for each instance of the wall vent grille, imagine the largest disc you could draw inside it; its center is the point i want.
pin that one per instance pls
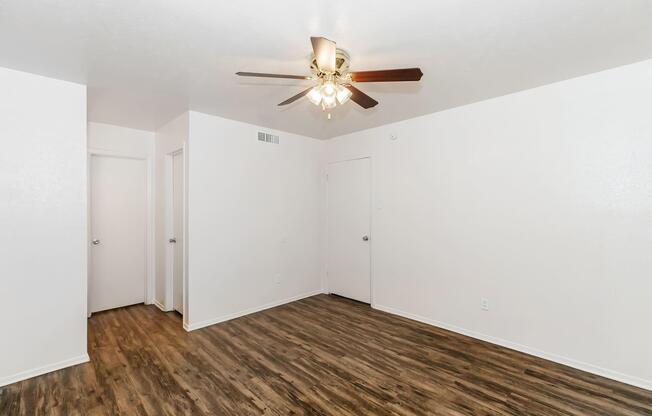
(267, 138)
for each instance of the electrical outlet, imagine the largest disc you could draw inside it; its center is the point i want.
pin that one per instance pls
(484, 304)
(277, 278)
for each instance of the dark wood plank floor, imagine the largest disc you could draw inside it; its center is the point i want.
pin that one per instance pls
(321, 356)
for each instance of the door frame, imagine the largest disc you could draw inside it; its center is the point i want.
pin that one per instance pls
(371, 221)
(169, 225)
(149, 223)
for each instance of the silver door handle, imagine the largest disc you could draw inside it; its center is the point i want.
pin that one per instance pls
(95, 242)
(365, 238)
(172, 240)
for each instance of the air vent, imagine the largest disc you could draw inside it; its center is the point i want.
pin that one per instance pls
(267, 138)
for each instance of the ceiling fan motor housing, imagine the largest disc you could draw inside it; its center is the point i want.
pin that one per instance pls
(342, 62)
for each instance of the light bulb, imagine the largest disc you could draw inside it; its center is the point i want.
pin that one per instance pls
(328, 88)
(329, 101)
(343, 94)
(314, 95)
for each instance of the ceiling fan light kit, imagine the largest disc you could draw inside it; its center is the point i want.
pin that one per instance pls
(330, 68)
(328, 94)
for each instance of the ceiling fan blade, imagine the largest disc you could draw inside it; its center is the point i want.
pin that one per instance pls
(360, 98)
(387, 75)
(324, 53)
(295, 97)
(263, 75)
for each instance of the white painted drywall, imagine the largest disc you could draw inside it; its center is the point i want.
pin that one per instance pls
(169, 138)
(541, 202)
(121, 140)
(43, 222)
(254, 214)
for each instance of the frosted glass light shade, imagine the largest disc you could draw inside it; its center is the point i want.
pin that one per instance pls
(343, 94)
(328, 89)
(329, 101)
(314, 95)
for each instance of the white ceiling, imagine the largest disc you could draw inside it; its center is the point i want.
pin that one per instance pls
(146, 61)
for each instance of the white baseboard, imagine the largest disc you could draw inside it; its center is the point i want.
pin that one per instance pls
(24, 375)
(209, 322)
(589, 368)
(160, 305)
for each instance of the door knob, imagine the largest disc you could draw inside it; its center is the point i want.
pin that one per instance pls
(172, 240)
(95, 242)
(365, 238)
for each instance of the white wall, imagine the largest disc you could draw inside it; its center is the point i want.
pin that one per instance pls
(253, 220)
(541, 202)
(43, 222)
(108, 139)
(169, 138)
(120, 140)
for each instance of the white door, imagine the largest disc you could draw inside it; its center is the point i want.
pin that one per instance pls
(118, 232)
(349, 205)
(177, 227)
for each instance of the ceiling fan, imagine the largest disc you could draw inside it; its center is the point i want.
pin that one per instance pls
(330, 68)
